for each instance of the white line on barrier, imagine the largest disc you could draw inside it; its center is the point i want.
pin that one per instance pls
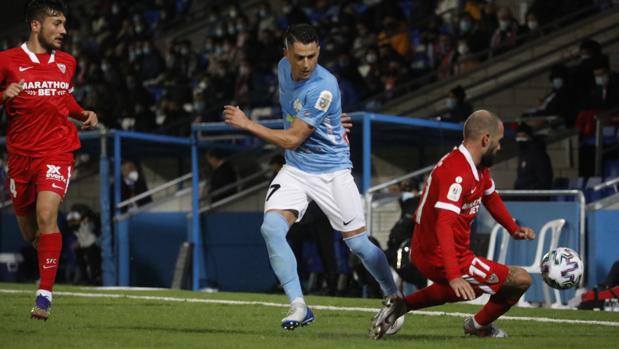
(318, 307)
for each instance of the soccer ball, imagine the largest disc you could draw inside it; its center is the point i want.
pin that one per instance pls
(562, 268)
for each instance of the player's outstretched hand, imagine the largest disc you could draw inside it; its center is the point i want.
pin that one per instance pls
(90, 121)
(13, 90)
(462, 288)
(235, 117)
(346, 122)
(524, 233)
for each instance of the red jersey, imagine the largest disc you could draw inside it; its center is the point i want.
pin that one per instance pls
(38, 116)
(449, 203)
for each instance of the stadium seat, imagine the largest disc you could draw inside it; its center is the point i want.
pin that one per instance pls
(554, 227)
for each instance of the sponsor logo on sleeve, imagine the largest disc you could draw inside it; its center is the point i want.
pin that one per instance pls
(324, 101)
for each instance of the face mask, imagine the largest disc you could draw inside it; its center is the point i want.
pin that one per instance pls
(503, 24)
(463, 49)
(522, 139)
(371, 58)
(406, 195)
(465, 26)
(199, 107)
(146, 50)
(133, 176)
(451, 103)
(557, 83)
(532, 25)
(601, 80)
(421, 48)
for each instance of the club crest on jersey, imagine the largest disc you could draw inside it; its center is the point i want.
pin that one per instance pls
(324, 101)
(455, 190)
(62, 67)
(297, 106)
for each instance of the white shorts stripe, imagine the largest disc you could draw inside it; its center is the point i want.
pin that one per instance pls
(447, 206)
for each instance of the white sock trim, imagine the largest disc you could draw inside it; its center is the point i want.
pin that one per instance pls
(476, 324)
(298, 300)
(45, 293)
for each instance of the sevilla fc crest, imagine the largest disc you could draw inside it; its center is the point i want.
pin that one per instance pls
(62, 67)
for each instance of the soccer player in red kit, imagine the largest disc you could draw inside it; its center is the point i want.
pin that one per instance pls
(440, 249)
(36, 85)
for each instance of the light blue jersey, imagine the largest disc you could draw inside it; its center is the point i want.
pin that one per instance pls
(315, 101)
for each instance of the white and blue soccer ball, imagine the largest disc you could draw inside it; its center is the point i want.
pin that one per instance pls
(562, 268)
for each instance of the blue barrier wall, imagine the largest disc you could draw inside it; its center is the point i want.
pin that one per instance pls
(10, 238)
(236, 255)
(603, 243)
(154, 242)
(535, 215)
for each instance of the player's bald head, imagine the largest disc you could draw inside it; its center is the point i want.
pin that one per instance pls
(480, 123)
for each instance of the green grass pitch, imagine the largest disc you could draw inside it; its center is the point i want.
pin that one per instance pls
(89, 318)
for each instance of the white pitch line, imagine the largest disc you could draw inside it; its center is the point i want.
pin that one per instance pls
(319, 307)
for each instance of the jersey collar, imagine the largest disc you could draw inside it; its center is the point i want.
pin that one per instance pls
(469, 159)
(34, 58)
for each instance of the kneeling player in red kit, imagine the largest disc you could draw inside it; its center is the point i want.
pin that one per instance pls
(36, 85)
(440, 249)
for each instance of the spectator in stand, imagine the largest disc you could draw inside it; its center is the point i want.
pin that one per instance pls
(82, 221)
(395, 35)
(471, 31)
(460, 60)
(582, 73)
(222, 175)
(605, 95)
(506, 35)
(534, 167)
(133, 184)
(458, 108)
(531, 28)
(560, 100)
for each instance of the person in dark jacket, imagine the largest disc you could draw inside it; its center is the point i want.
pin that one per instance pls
(560, 101)
(222, 175)
(133, 183)
(534, 167)
(458, 108)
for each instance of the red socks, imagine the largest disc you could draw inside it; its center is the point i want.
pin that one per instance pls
(48, 250)
(435, 294)
(496, 306)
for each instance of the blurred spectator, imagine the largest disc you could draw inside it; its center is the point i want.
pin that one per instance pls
(605, 94)
(531, 27)
(82, 221)
(534, 167)
(458, 108)
(470, 30)
(394, 34)
(582, 73)
(506, 35)
(561, 100)
(133, 184)
(459, 60)
(222, 175)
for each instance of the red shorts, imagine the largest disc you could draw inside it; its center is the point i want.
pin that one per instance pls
(29, 176)
(484, 275)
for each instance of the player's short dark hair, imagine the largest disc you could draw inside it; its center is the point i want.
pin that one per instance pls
(303, 33)
(39, 9)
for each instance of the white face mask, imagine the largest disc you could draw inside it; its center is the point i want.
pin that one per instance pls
(532, 25)
(557, 83)
(132, 177)
(503, 24)
(522, 139)
(601, 80)
(463, 49)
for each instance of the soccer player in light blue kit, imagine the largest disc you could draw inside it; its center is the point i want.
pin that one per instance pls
(317, 168)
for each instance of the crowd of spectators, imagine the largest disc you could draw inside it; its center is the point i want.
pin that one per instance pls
(135, 80)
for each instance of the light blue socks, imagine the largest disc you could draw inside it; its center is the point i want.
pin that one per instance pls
(274, 229)
(374, 260)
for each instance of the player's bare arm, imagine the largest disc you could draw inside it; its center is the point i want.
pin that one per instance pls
(13, 90)
(290, 138)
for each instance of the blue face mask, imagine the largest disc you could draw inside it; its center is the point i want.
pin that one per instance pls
(451, 103)
(557, 83)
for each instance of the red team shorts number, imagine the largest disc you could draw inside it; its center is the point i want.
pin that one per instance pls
(29, 176)
(484, 275)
